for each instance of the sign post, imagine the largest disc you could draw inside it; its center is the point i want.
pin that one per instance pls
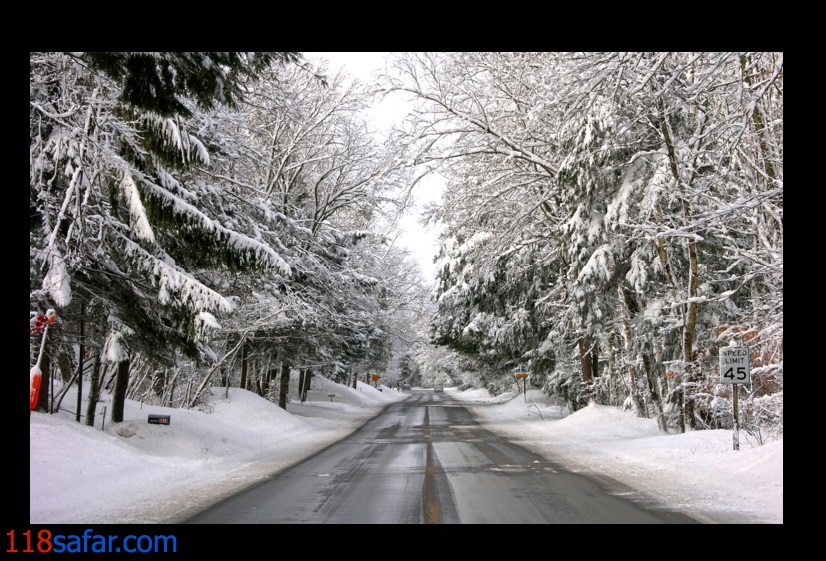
(735, 369)
(521, 372)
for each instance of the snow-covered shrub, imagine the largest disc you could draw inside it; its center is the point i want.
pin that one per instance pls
(762, 417)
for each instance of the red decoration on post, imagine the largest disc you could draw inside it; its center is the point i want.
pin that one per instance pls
(35, 389)
(38, 324)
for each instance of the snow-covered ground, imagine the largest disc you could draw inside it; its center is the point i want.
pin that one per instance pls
(134, 472)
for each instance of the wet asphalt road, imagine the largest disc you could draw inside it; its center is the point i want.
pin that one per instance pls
(426, 460)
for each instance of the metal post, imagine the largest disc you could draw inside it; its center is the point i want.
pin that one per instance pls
(51, 390)
(736, 421)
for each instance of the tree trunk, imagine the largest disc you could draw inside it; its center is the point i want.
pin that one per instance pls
(82, 359)
(225, 382)
(595, 360)
(243, 383)
(119, 395)
(654, 393)
(687, 399)
(614, 356)
(688, 412)
(284, 385)
(693, 262)
(585, 365)
(65, 366)
(693, 287)
(94, 391)
(266, 377)
(681, 408)
(355, 380)
(301, 373)
(629, 309)
(305, 384)
(159, 382)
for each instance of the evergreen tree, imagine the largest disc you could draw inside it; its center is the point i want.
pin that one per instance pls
(115, 198)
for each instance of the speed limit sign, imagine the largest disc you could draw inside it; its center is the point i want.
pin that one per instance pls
(734, 365)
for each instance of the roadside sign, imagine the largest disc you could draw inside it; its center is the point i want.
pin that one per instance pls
(734, 365)
(522, 373)
(159, 419)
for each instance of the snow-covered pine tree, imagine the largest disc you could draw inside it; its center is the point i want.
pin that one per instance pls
(116, 213)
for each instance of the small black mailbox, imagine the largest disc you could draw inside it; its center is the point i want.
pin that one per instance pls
(159, 419)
